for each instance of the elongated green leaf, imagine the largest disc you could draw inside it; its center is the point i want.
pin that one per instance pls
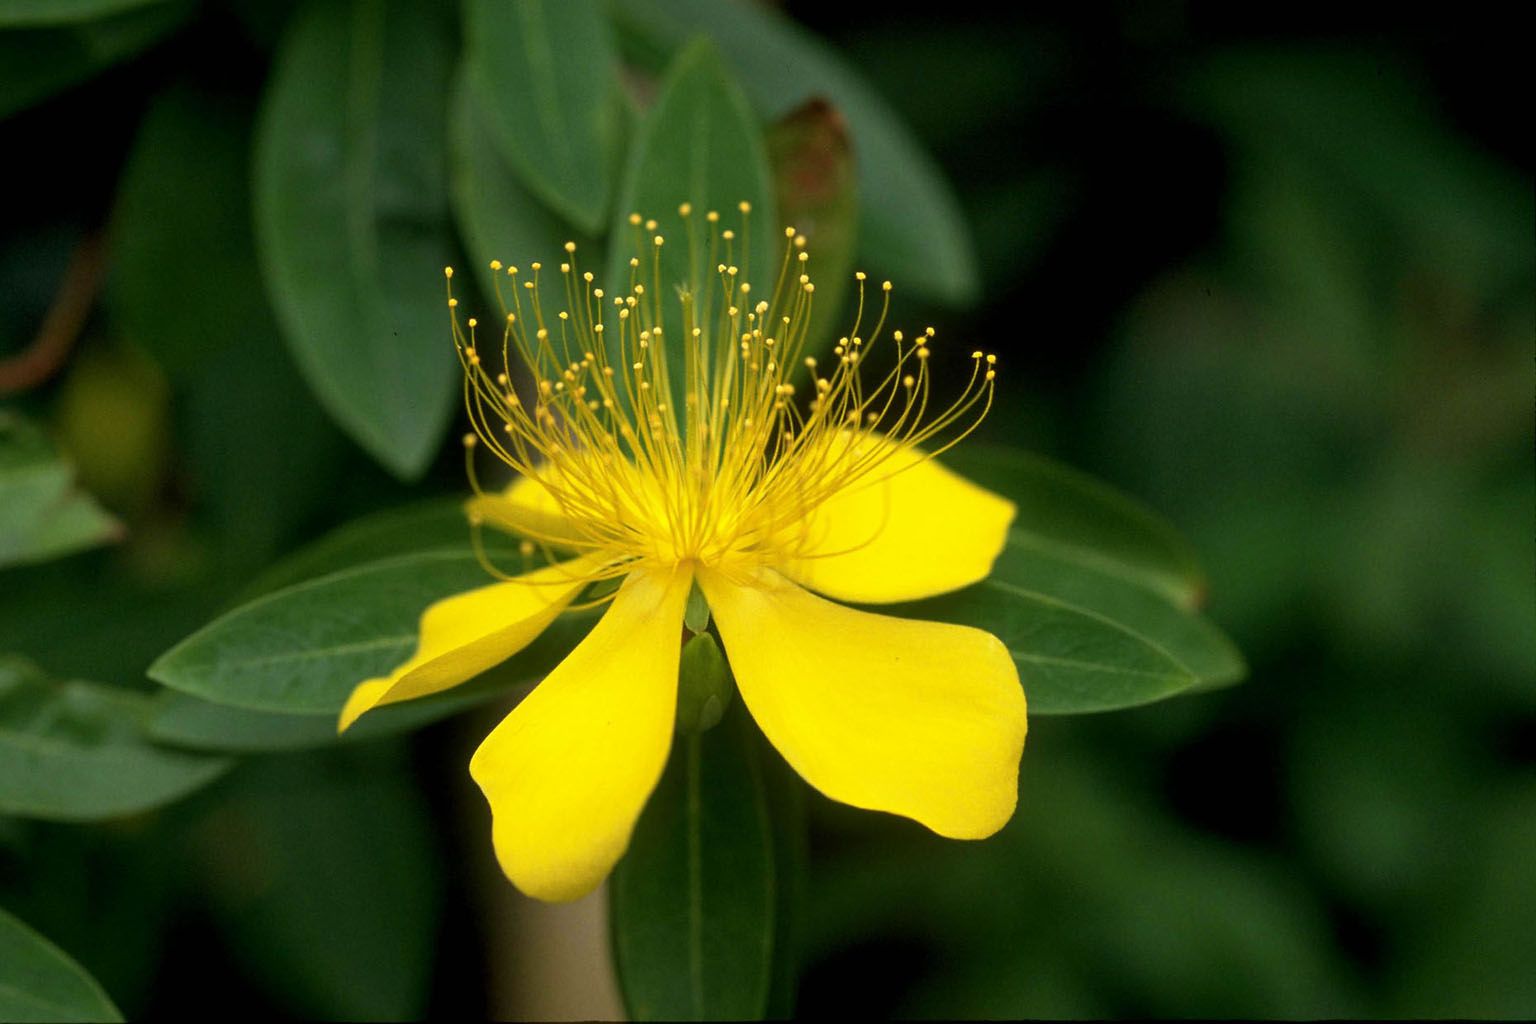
(1086, 519)
(39, 981)
(911, 226)
(186, 721)
(1070, 660)
(694, 899)
(304, 648)
(700, 145)
(814, 179)
(184, 259)
(1034, 565)
(352, 218)
(546, 76)
(42, 514)
(498, 218)
(74, 751)
(41, 61)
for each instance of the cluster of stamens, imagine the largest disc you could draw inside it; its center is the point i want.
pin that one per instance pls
(733, 475)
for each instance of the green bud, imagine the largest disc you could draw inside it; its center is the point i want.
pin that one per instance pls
(704, 686)
(696, 613)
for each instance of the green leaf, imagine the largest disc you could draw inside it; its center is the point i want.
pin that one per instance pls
(546, 77)
(39, 981)
(41, 61)
(42, 514)
(911, 228)
(1086, 519)
(352, 218)
(498, 218)
(185, 721)
(693, 901)
(815, 184)
(700, 144)
(304, 648)
(75, 751)
(438, 524)
(324, 873)
(1189, 638)
(184, 258)
(1071, 660)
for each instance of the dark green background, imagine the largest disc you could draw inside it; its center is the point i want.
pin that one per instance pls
(1274, 278)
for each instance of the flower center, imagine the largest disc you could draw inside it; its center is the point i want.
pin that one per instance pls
(586, 402)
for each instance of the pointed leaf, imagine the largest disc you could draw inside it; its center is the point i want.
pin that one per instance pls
(42, 514)
(912, 228)
(700, 145)
(1070, 660)
(1086, 519)
(39, 981)
(498, 218)
(694, 899)
(352, 218)
(75, 751)
(304, 648)
(546, 76)
(1186, 636)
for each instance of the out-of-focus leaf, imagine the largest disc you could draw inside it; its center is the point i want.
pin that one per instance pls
(39, 982)
(545, 77)
(75, 751)
(184, 261)
(1071, 661)
(700, 145)
(41, 61)
(325, 876)
(693, 901)
(42, 514)
(815, 183)
(1190, 639)
(498, 218)
(911, 226)
(14, 13)
(352, 218)
(1086, 519)
(304, 648)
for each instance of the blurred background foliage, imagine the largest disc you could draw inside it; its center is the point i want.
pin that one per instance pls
(1275, 279)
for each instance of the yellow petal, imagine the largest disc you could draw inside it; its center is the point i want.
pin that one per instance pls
(920, 532)
(463, 635)
(527, 509)
(921, 719)
(568, 771)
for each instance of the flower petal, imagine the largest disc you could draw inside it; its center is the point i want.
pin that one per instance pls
(525, 508)
(921, 719)
(922, 531)
(568, 771)
(463, 635)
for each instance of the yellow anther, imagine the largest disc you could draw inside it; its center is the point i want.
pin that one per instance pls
(453, 303)
(976, 354)
(684, 209)
(885, 286)
(473, 322)
(991, 360)
(447, 271)
(570, 246)
(744, 206)
(712, 216)
(469, 440)
(658, 240)
(495, 264)
(634, 219)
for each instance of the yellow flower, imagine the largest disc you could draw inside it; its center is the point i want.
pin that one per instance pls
(758, 498)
